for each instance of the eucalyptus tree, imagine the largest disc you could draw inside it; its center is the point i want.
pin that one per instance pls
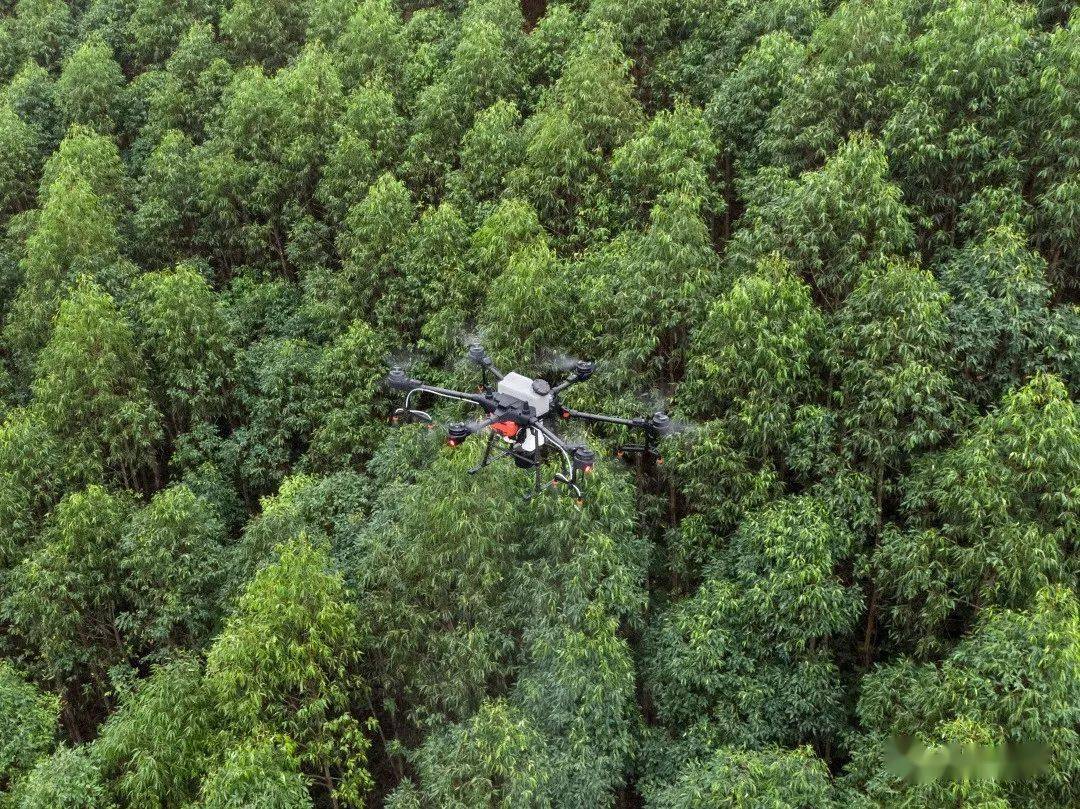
(348, 389)
(68, 779)
(961, 701)
(372, 246)
(164, 223)
(29, 718)
(739, 111)
(261, 772)
(854, 61)
(761, 778)
(485, 65)
(495, 759)
(992, 519)
(827, 223)
(673, 154)
(43, 30)
(753, 356)
(88, 91)
(63, 599)
(588, 112)
(90, 389)
(1001, 324)
(192, 80)
(370, 137)
(32, 480)
(19, 159)
(1056, 151)
(184, 340)
(264, 33)
(75, 232)
(173, 559)
(156, 747)
(727, 665)
(259, 169)
(286, 664)
(491, 149)
(961, 128)
(275, 388)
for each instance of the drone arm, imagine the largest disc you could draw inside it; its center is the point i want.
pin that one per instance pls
(602, 419)
(477, 426)
(570, 380)
(446, 393)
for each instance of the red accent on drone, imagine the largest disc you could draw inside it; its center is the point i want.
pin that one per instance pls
(507, 429)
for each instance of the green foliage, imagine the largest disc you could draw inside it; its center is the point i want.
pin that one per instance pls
(90, 390)
(89, 87)
(836, 240)
(755, 780)
(19, 156)
(30, 480)
(992, 516)
(889, 356)
(1014, 678)
(62, 598)
(752, 355)
(185, 341)
(29, 720)
(284, 664)
(370, 135)
(68, 779)
(745, 660)
(262, 772)
(275, 389)
(42, 30)
(155, 748)
(975, 50)
(173, 560)
(264, 32)
(828, 222)
(75, 233)
(497, 759)
(1000, 323)
(347, 391)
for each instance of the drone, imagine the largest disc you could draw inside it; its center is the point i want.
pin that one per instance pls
(520, 414)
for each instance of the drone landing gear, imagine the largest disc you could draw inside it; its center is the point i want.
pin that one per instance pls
(487, 454)
(526, 459)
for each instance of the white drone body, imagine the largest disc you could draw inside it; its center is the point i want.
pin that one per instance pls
(520, 387)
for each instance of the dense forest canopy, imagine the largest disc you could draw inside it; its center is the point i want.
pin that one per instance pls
(843, 239)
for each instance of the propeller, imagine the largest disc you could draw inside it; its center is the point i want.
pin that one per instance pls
(474, 341)
(472, 335)
(656, 407)
(567, 364)
(404, 358)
